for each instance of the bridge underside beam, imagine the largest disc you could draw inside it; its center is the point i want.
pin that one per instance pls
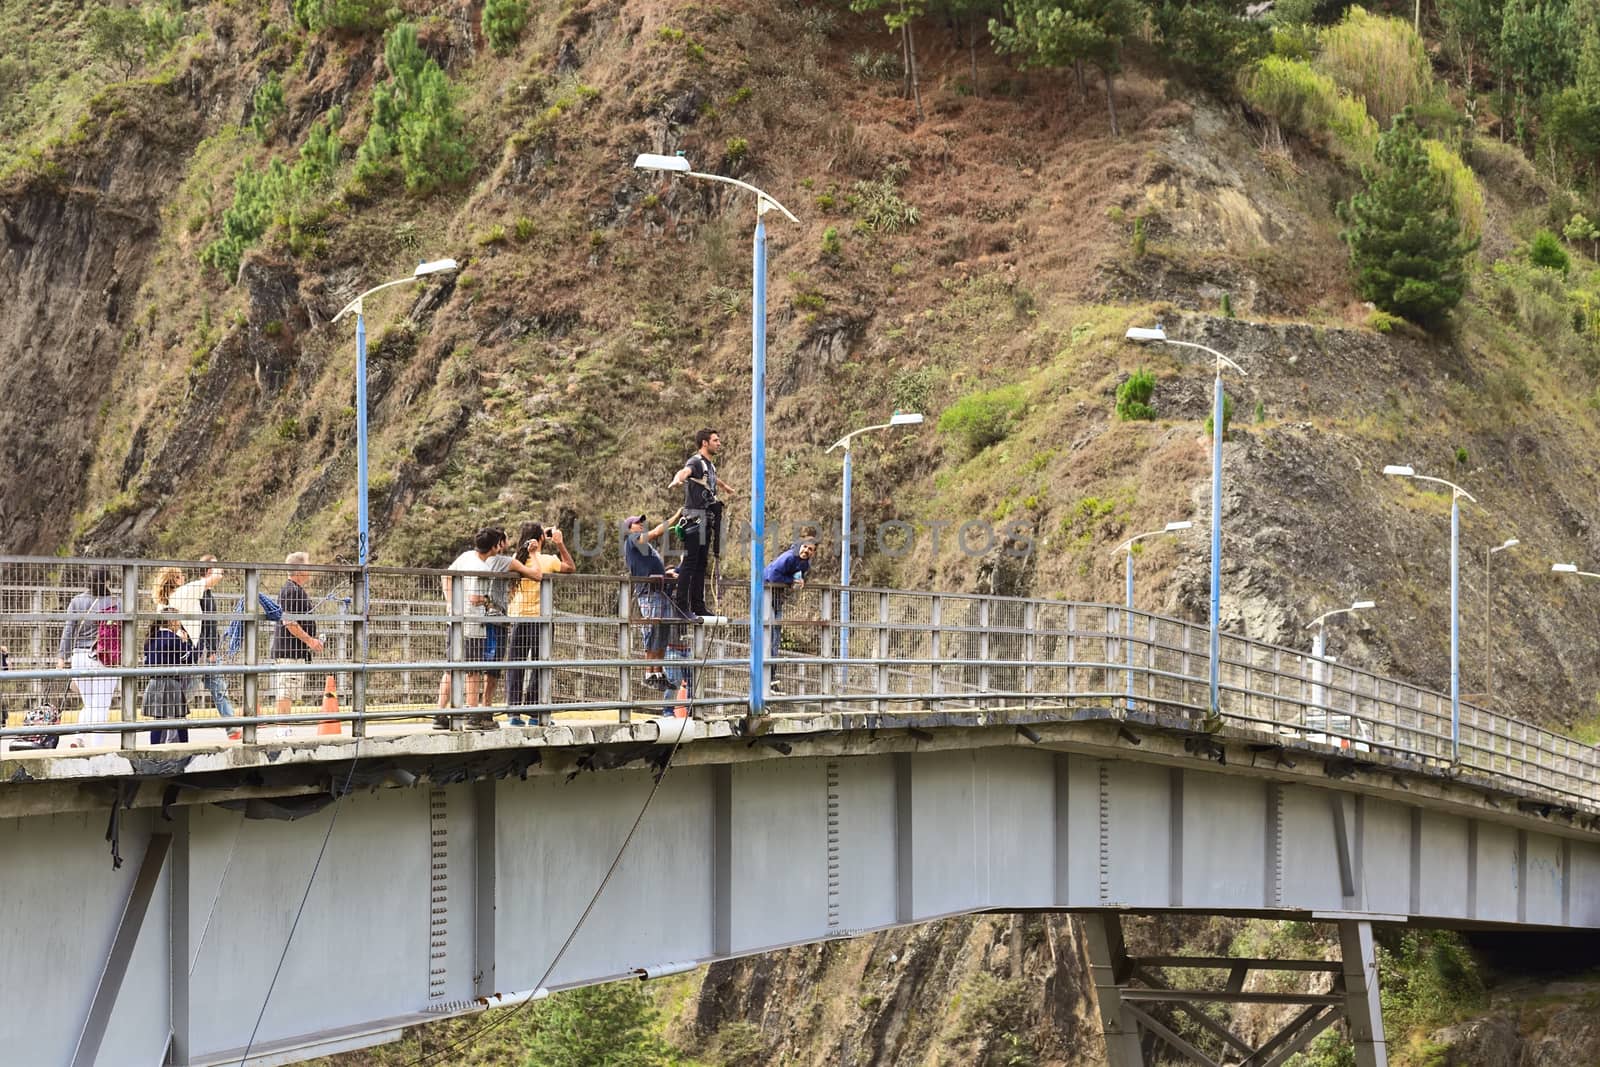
(1127, 990)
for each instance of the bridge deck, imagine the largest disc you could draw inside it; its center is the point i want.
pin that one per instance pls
(391, 637)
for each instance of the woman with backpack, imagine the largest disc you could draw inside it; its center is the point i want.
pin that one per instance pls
(91, 641)
(168, 645)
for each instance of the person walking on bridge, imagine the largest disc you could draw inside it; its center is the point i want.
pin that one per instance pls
(702, 517)
(295, 640)
(91, 642)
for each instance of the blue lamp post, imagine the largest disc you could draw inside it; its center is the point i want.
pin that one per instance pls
(899, 418)
(1127, 546)
(758, 409)
(1456, 493)
(437, 266)
(1160, 336)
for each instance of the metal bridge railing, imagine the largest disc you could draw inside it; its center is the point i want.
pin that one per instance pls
(399, 646)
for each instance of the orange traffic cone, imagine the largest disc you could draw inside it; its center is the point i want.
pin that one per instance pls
(681, 709)
(330, 706)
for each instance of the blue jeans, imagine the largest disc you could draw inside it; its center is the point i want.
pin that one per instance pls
(217, 686)
(777, 634)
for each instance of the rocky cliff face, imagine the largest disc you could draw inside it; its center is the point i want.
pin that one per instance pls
(987, 990)
(75, 249)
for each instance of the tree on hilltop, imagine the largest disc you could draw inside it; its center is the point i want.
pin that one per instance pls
(1056, 34)
(1404, 235)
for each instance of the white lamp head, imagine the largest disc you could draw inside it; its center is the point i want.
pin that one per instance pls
(1564, 568)
(1145, 333)
(905, 418)
(1363, 604)
(652, 161)
(1184, 525)
(435, 266)
(1399, 470)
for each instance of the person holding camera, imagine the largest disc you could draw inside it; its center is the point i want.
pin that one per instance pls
(532, 541)
(701, 516)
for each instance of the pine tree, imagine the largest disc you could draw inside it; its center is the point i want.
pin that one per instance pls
(597, 1026)
(413, 116)
(1404, 236)
(1068, 33)
(503, 21)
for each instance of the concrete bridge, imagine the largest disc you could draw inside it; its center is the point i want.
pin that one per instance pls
(297, 894)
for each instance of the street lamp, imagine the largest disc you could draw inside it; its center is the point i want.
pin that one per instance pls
(1319, 646)
(1158, 335)
(1456, 493)
(436, 266)
(1319, 643)
(758, 407)
(1127, 546)
(1488, 607)
(899, 418)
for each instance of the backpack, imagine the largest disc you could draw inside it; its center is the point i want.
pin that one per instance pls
(108, 639)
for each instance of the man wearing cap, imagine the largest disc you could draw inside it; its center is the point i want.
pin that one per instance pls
(650, 592)
(786, 572)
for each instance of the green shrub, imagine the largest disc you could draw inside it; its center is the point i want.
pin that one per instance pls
(979, 420)
(1579, 228)
(342, 16)
(830, 242)
(1465, 192)
(1310, 103)
(879, 204)
(503, 22)
(1227, 305)
(1545, 251)
(1138, 237)
(1133, 396)
(736, 150)
(266, 107)
(1380, 60)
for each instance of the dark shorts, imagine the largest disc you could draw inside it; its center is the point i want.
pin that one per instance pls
(491, 646)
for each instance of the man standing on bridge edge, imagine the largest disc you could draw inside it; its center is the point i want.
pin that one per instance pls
(701, 521)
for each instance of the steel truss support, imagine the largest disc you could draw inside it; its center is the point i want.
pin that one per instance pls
(1127, 988)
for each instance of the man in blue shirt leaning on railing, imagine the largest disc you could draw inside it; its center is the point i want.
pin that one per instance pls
(787, 572)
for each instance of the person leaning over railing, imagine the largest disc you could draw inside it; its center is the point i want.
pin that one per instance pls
(92, 641)
(786, 572)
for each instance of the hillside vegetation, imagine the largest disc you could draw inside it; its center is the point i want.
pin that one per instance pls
(989, 195)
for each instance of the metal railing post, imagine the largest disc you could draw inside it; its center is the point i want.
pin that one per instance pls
(984, 621)
(458, 647)
(828, 643)
(130, 636)
(882, 672)
(1030, 622)
(624, 651)
(360, 605)
(251, 637)
(935, 643)
(547, 650)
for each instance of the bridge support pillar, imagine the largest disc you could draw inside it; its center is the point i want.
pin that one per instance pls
(1111, 969)
(1362, 1008)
